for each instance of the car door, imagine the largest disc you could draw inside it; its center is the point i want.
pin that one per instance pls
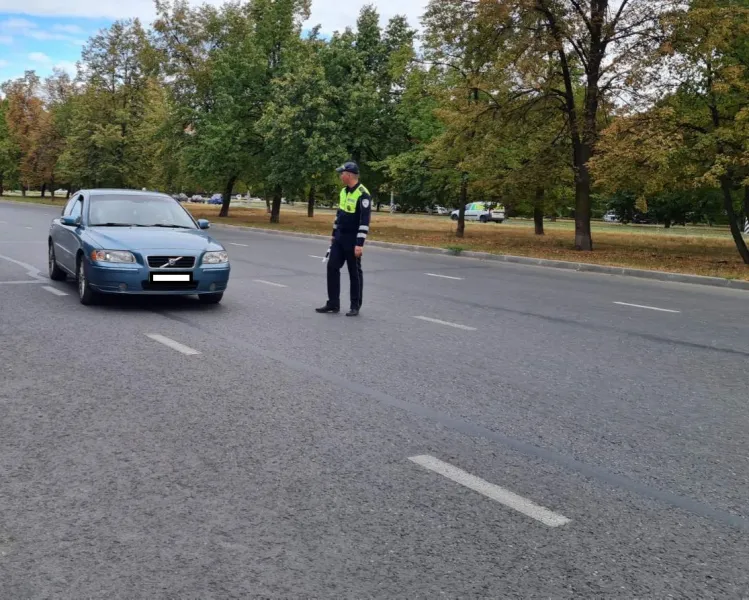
(68, 236)
(471, 212)
(57, 233)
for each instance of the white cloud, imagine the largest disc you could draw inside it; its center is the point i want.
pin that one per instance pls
(40, 57)
(38, 34)
(69, 67)
(6, 40)
(72, 29)
(17, 24)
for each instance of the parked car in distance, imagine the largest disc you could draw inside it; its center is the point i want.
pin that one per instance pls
(610, 217)
(477, 211)
(135, 242)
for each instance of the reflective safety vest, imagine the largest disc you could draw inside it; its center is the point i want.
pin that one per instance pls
(347, 202)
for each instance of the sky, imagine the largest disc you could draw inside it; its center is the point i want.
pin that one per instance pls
(44, 34)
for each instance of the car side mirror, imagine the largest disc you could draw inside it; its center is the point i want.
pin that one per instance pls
(204, 223)
(70, 221)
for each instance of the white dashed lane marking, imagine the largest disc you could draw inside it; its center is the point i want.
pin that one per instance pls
(447, 323)
(243, 245)
(503, 496)
(668, 310)
(54, 291)
(269, 283)
(172, 344)
(444, 276)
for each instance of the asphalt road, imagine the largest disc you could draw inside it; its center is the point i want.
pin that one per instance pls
(480, 431)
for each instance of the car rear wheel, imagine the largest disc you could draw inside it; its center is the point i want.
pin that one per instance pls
(55, 272)
(211, 298)
(85, 293)
(483, 218)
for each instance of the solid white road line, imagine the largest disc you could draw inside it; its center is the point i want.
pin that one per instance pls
(243, 245)
(269, 283)
(444, 276)
(315, 256)
(501, 495)
(172, 344)
(55, 291)
(31, 271)
(27, 227)
(456, 325)
(647, 307)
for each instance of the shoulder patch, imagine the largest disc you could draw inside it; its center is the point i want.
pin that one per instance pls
(365, 203)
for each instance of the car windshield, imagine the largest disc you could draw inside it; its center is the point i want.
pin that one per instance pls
(138, 211)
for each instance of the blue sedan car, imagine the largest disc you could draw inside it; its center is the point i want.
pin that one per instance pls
(135, 242)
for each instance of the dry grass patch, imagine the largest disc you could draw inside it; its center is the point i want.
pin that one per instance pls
(714, 256)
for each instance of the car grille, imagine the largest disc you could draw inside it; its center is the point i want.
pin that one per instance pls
(158, 262)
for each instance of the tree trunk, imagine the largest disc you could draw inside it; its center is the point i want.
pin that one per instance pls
(460, 232)
(44, 189)
(746, 203)
(23, 190)
(667, 223)
(226, 199)
(69, 190)
(738, 239)
(2, 187)
(276, 209)
(311, 201)
(538, 211)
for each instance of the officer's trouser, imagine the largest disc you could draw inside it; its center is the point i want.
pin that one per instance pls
(342, 251)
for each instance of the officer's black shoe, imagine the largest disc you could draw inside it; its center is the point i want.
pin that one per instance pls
(353, 312)
(327, 309)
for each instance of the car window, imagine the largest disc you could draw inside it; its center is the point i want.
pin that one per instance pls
(77, 209)
(69, 206)
(138, 210)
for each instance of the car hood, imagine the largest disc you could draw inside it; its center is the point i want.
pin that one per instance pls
(152, 238)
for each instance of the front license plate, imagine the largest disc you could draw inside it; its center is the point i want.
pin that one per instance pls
(169, 277)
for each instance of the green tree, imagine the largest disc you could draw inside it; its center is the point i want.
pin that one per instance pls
(10, 152)
(102, 148)
(303, 136)
(25, 120)
(695, 136)
(596, 47)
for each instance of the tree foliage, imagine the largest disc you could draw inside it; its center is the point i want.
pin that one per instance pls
(550, 107)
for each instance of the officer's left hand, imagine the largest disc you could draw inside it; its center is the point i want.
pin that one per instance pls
(358, 251)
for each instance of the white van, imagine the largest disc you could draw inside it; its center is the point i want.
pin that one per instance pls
(477, 211)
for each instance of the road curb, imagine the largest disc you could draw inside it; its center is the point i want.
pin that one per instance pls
(525, 260)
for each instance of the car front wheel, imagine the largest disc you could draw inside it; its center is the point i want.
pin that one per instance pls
(85, 293)
(55, 272)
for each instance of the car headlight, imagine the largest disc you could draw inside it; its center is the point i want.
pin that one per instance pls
(215, 258)
(115, 256)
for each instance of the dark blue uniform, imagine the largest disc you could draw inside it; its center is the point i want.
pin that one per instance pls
(350, 229)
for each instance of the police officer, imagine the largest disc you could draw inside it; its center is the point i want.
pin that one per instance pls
(349, 233)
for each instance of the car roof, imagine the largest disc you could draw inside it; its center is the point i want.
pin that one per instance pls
(124, 192)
